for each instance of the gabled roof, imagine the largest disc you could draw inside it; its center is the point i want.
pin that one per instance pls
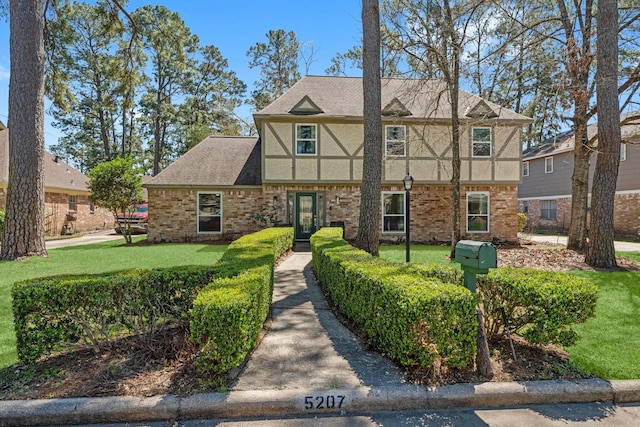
(216, 161)
(58, 176)
(305, 107)
(342, 97)
(395, 108)
(565, 141)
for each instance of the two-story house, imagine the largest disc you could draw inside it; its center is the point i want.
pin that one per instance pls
(307, 166)
(545, 193)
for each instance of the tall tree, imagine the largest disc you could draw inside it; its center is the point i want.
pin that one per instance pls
(601, 251)
(368, 237)
(278, 63)
(23, 233)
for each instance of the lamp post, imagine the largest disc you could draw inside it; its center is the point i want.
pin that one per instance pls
(408, 183)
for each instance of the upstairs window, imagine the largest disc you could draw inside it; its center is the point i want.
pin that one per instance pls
(393, 212)
(396, 141)
(525, 169)
(481, 142)
(548, 164)
(306, 139)
(623, 152)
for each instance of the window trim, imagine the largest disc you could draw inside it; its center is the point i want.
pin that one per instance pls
(474, 142)
(315, 140)
(219, 193)
(487, 215)
(548, 161)
(73, 201)
(404, 213)
(623, 151)
(403, 141)
(525, 168)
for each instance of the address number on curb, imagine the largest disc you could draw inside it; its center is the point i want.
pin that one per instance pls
(323, 402)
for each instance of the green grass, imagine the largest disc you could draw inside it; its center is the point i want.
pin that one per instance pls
(609, 342)
(89, 259)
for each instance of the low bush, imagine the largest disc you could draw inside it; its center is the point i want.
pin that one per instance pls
(228, 314)
(522, 222)
(55, 312)
(540, 305)
(406, 312)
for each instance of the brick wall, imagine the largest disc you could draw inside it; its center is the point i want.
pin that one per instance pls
(626, 215)
(173, 216)
(56, 208)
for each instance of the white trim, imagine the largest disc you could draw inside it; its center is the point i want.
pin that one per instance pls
(545, 164)
(526, 162)
(315, 148)
(623, 151)
(404, 213)
(568, 196)
(490, 142)
(213, 216)
(404, 141)
(488, 215)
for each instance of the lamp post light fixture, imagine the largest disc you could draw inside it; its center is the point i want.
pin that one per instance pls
(408, 183)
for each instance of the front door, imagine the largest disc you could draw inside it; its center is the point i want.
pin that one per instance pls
(306, 215)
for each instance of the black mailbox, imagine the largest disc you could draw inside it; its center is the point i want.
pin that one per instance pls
(475, 258)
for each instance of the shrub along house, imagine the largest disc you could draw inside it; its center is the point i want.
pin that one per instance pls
(307, 163)
(66, 196)
(545, 193)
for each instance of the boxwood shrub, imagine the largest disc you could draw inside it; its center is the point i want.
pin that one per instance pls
(540, 305)
(405, 311)
(228, 314)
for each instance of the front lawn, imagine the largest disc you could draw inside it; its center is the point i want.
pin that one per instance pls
(89, 259)
(609, 342)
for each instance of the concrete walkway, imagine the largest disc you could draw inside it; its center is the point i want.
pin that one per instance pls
(562, 240)
(307, 365)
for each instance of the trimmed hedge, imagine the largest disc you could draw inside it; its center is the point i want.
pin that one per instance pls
(540, 305)
(52, 312)
(228, 314)
(405, 313)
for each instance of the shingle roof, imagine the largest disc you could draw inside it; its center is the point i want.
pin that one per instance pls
(216, 161)
(342, 97)
(563, 142)
(57, 174)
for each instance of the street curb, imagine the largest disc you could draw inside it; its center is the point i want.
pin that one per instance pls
(255, 403)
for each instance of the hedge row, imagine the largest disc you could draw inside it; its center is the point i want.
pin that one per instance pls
(228, 314)
(405, 313)
(540, 305)
(53, 312)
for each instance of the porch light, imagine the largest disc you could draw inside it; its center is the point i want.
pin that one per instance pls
(337, 200)
(408, 182)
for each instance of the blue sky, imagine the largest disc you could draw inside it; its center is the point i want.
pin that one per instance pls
(233, 26)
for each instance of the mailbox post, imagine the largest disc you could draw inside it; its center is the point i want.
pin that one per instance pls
(475, 258)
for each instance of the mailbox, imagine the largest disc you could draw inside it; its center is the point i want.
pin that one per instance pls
(475, 258)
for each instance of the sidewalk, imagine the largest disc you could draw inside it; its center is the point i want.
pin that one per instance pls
(309, 363)
(562, 240)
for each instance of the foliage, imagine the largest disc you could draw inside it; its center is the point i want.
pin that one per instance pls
(266, 217)
(116, 185)
(228, 314)
(58, 311)
(2, 215)
(404, 311)
(522, 222)
(278, 63)
(540, 305)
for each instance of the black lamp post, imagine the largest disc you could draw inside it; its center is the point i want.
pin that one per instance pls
(408, 183)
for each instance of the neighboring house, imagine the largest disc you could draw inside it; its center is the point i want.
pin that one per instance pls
(545, 193)
(307, 166)
(67, 207)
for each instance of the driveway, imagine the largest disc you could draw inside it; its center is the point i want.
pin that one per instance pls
(98, 236)
(562, 240)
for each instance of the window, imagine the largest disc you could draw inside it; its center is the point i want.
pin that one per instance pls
(525, 169)
(73, 202)
(478, 212)
(392, 212)
(481, 142)
(548, 164)
(525, 207)
(395, 137)
(209, 213)
(623, 152)
(549, 209)
(306, 139)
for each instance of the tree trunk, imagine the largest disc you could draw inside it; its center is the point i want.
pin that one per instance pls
(368, 237)
(23, 233)
(601, 251)
(577, 238)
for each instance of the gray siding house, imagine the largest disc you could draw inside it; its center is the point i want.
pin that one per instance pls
(545, 193)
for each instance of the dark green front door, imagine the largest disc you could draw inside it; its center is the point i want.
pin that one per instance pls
(306, 215)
